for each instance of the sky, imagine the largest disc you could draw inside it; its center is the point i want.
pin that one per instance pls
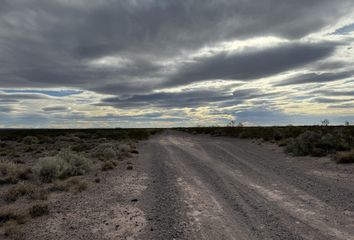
(167, 63)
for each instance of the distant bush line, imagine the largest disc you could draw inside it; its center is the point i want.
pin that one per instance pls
(297, 140)
(31, 136)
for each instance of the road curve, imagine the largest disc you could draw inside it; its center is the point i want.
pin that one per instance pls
(203, 187)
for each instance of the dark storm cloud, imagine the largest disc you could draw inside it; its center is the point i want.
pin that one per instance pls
(129, 49)
(191, 99)
(316, 78)
(334, 93)
(55, 109)
(25, 96)
(252, 65)
(49, 43)
(5, 109)
(331, 65)
(330, 100)
(169, 100)
(342, 106)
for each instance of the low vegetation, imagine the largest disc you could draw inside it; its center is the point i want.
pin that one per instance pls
(39, 209)
(11, 172)
(344, 157)
(337, 141)
(36, 163)
(65, 164)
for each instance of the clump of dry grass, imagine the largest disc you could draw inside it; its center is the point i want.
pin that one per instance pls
(38, 209)
(12, 213)
(112, 151)
(344, 157)
(108, 165)
(13, 230)
(76, 184)
(33, 192)
(11, 172)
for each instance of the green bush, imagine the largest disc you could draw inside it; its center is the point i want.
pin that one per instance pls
(109, 153)
(106, 151)
(304, 144)
(77, 163)
(63, 165)
(29, 140)
(112, 151)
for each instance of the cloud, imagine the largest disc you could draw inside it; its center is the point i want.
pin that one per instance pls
(169, 100)
(342, 106)
(252, 65)
(65, 35)
(330, 100)
(55, 109)
(22, 96)
(329, 92)
(5, 109)
(316, 78)
(52, 93)
(142, 55)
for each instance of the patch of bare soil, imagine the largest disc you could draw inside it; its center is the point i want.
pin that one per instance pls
(107, 210)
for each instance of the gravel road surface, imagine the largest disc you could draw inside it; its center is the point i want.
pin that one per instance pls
(204, 187)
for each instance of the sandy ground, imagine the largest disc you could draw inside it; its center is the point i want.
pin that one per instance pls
(199, 187)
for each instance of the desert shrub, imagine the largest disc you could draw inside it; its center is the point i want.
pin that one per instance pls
(106, 151)
(16, 192)
(31, 191)
(68, 138)
(129, 167)
(11, 172)
(316, 144)
(112, 151)
(109, 153)
(331, 142)
(29, 140)
(38, 209)
(77, 184)
(81, 147)
(63, 165)
(78, 164)
(344, 157)
(49, 168)
(124, 148)
(12, 213)
(59, 186)
(108, 165)
(304, 144)
(13, 230)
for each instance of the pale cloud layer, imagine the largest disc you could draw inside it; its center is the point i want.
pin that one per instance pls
(175, 63)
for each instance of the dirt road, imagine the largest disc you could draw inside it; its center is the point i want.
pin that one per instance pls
(200, 187)
(203, 187)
